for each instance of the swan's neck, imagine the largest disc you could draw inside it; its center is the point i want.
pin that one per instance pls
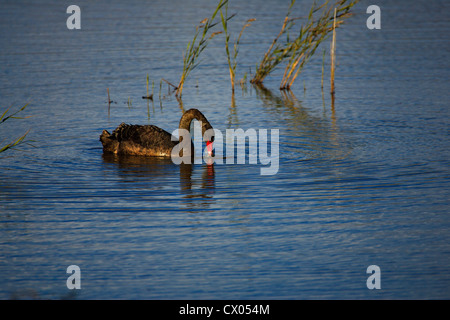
(188, 116)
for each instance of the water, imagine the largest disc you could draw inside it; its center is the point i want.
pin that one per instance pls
(362, 183)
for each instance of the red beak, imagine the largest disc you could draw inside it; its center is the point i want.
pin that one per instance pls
(209, 146)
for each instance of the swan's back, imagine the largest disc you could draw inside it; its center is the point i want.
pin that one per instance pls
(142, 140)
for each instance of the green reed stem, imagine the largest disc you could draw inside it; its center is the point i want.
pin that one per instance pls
(312, 33)
(4, 117)
(232, 60)
(197, 46)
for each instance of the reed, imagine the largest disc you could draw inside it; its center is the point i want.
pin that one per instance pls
(323, 68)
(169, 85)
(276, 52)
(312, 34)
(232, 63)
(333, 55)
(4, 117)
(160, 87)
(319, 23)
(243, 81)
(149, 96)
(197, 45)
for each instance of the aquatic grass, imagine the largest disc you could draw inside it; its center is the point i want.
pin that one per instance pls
(149, 96)
(323, 68)
(276, 52)
(12, 116)
(197, 45)
(243, 81)
(160, 88)
(169, 85)
(312, 33)
(333, 55)
(109, 99)
(4, 117)
(14, 143)
(295, 53)
(232, 63)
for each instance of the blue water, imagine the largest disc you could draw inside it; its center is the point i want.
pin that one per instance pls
(363, 181)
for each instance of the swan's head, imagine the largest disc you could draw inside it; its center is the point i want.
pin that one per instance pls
(208, 136)
(209, 147)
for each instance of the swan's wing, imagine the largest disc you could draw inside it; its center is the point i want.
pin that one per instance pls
(148, 137)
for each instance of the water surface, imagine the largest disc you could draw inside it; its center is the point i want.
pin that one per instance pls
(363, 182)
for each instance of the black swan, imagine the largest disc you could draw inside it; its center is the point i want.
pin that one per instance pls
(149, 140)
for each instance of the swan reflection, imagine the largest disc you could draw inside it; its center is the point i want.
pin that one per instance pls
(195, 183)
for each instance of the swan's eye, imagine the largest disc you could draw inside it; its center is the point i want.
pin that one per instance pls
(212, 139)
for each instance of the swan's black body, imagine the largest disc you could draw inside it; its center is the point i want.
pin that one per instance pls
(147, 140)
